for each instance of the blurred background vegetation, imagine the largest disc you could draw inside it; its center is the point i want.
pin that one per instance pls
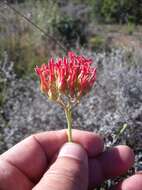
(73, 23)
(31, 31)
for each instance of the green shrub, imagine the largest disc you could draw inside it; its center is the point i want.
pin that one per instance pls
(117, 11)
(70, 31)
(97, 43)
(130, 28)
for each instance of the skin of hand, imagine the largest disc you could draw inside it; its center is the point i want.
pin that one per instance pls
(44, 161)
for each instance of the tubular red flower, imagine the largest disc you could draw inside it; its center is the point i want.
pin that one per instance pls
(71, 76)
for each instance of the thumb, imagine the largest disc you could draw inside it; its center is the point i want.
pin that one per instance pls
(69, 172)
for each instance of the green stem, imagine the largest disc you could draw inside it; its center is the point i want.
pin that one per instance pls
(68, 113)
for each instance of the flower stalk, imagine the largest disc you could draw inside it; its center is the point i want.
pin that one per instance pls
(68, 113)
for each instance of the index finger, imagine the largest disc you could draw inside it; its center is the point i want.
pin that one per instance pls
(33, 155)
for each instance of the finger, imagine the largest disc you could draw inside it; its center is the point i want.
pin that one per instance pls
(132, 183)
(32, 156)
(109, 164)
(92, 142)
(11, 178)
(69, 171)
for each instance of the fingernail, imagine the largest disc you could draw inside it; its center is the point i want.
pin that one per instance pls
(75, 151)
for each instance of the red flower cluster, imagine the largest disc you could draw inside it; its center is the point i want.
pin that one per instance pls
(71, 76)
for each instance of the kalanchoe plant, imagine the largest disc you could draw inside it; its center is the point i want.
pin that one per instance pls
(65, 81)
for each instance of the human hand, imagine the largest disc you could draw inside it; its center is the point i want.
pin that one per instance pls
(43, 162)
